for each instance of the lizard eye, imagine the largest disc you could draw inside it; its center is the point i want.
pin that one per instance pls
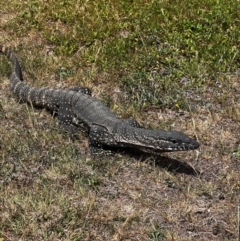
(174, 141)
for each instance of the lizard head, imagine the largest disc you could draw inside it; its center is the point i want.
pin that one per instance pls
(175, 141)
(159, 140)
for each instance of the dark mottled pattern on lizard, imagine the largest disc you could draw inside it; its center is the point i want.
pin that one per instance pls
(76, 108)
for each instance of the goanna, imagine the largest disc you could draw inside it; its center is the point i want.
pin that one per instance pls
(76, 107)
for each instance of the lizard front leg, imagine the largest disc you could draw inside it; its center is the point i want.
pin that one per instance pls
(99, 140)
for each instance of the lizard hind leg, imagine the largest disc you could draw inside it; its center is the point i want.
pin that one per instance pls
(69, 122)
(65, 118)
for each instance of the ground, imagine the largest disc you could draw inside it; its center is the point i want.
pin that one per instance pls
(168, 65)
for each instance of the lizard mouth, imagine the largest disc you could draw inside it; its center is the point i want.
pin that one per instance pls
(174, 146)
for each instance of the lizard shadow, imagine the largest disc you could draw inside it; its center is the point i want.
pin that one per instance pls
(175, 165)
(172, 165)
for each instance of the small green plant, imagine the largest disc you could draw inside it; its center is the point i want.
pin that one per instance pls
(157, 233)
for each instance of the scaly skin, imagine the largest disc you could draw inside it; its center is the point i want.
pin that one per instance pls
(76, 108)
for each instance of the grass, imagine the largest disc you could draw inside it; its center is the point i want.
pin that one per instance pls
(170, 65)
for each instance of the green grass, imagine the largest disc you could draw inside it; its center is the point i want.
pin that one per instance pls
(169, 64)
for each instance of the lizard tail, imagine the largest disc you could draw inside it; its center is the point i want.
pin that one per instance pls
(13, 58)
